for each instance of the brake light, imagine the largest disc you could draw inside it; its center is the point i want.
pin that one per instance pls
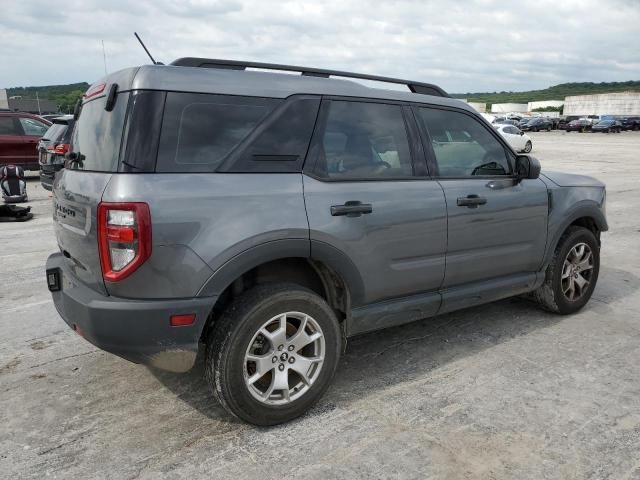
(124, 238)
(62, 148)
(95, 90)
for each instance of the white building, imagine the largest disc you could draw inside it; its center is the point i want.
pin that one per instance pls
(478, 106)
(509, 107)
(4, 101)
(621, 103)
(531, 106)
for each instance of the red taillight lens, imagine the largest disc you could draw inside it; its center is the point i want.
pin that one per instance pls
(124, 238)
(61, 148)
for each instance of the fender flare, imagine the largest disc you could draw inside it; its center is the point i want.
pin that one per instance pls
(584, 209)
(265, 252)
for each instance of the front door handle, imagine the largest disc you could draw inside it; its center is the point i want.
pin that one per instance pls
(352, 208)
(471, 201)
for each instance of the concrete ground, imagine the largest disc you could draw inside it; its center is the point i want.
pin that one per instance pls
(500, 391)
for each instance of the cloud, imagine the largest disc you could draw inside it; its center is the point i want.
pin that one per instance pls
(466, 46)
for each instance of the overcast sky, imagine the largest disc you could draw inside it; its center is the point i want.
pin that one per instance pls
(480, 45)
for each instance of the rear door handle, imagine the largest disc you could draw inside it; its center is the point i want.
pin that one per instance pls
(471, 201)
(352, 208)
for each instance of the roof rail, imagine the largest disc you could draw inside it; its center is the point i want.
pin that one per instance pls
(415, 87)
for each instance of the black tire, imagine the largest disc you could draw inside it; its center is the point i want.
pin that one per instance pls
(229, 339)
(550, 295)
(528, 147)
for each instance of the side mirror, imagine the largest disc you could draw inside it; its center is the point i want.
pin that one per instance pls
(527, 167)
(521, 133)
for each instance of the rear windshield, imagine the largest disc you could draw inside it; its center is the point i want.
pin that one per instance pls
(97, 135)
(55, 132)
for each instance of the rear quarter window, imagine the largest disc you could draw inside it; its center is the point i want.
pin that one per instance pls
(200, 130)
(97, 135)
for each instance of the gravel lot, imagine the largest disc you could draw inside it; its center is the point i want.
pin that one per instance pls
(499, 391)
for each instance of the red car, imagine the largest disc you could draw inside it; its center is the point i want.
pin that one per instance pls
(19, 135)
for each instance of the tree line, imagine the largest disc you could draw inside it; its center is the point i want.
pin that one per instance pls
(65, 96)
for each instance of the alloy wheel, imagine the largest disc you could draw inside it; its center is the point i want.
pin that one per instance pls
(284, 358)
(577, 272)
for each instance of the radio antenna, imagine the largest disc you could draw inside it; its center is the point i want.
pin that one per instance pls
(145, 49)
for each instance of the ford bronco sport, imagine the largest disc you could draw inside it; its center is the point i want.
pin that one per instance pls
(269, 216)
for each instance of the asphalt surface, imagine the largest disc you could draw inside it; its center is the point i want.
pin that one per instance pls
(499, 391)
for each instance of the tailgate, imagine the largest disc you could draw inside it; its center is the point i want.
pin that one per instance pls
(76, 196)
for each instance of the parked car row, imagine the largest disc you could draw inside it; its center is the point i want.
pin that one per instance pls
(605, 126)
(35, 143)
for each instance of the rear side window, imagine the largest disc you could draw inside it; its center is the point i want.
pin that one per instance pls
(280, 143)
(199, 130)
(365, 141)
(97, 135)
(8, 126)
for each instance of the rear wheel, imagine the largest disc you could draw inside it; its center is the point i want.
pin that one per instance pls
(572, 273)
(528, 146)
(273, 353)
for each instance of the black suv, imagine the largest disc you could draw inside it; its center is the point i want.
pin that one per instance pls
(52, 148)
(536, 124)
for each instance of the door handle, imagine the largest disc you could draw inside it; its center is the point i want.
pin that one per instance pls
(471, 201)
(352, 208)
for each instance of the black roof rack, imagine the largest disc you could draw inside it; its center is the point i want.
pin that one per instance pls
(415, 87)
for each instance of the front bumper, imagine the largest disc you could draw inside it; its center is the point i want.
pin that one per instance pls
(137, 330)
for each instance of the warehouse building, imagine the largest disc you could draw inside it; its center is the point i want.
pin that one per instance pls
(509, 107)
(531, 106)
(478, 106)
(621, 103)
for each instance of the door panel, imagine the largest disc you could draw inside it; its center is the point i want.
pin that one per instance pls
(504, 236)
(399, 247)
(365, 198)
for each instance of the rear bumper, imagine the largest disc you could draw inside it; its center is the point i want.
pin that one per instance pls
(137, 330)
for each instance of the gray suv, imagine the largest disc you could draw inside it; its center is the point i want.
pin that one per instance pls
(267, 217)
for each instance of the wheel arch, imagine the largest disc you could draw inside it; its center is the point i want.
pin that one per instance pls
(588, 215)
(313, 265)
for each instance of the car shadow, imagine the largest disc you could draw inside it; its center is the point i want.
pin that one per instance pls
(382, 359)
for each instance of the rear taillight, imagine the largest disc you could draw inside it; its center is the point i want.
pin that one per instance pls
(62, 148)
(124, 238)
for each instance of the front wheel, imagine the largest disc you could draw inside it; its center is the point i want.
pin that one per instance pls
(528, 146)
(273, 353)
(572, 273)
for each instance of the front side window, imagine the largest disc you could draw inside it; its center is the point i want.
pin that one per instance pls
(33, 127)
(364, 141)
(463, 147)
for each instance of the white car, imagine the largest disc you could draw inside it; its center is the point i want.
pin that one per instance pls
(520, 141)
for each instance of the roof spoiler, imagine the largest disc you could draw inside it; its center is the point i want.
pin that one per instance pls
(415, 87)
